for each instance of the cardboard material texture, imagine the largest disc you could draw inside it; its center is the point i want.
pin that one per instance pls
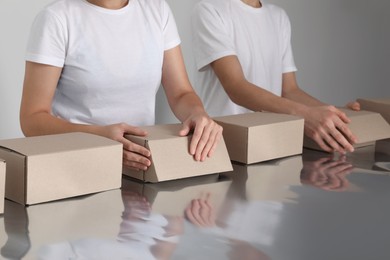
(52, 167)
(181, 193)
(171, 158)
(381, 106)
(2, 185)
(261, 136)
(367, 126)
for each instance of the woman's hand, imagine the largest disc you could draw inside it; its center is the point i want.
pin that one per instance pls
(206, 135)
(135, 156)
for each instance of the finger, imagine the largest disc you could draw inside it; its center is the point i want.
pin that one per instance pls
(200, 153)
(342, 144)
(135, 160)
(185, 129)
(213, 142)
(322, 144)
(341, 115)
(135, 148)
(346, 132)
(354, 105)
(197, 135)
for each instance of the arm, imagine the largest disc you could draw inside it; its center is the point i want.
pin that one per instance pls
(323, 123)
(40, 83)
(187, 106)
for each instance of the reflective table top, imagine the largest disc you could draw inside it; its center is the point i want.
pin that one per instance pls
(311, 206)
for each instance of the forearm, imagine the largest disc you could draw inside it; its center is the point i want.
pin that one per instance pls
(43, 123)
(186, 105)
(302, 97)
(255, 98)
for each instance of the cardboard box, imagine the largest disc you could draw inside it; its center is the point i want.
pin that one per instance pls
(367, 126)
(261, 136)
(52, 167)
(381, 106)
(181, 192)
(2, 185)
(170, 157)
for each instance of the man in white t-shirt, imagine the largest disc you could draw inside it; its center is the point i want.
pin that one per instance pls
(245, 63)
(95, 66)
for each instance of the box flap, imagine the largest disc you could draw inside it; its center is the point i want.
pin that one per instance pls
(55, 143)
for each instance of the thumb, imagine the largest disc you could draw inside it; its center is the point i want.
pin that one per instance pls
(185, 130)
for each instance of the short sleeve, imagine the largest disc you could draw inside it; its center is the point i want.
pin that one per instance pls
(210, 35)
(47, 41)
(171, 35)
(287, 53)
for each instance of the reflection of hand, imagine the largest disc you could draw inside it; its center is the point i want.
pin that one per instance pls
(136, 205)
(326, 174)
(200, 212)
(327, 126)
(206, 135)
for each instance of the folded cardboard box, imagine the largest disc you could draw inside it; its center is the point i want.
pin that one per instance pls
(381, 106)
(171, 158)
(52, 167)
(173, 197)
(261, 136)
(2, 185)
(367, 126)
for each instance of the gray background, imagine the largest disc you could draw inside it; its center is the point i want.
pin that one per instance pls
(341, 48)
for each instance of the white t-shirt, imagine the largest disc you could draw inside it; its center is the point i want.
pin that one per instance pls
(259, 37)
(111, 59)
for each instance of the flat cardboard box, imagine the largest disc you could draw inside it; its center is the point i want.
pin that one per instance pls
(2, 185)
(261, 136)
(171, 158)
(381, 106)
(367, 126)
(52, 167)
(181, 192)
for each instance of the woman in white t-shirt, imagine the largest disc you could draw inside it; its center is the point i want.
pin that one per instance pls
(245, 63)
(95, 66)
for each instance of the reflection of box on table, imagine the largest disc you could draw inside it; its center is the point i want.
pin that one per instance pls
(261, 136)
(171, 198)
(2, 185)
(271, 180)
(367, 126)
(52, 167)
(381, 106)
(171, 158)
(61, 223)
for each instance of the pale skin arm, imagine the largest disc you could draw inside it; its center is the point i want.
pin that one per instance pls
(187, 106)
(36, 119)
(325, 124)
